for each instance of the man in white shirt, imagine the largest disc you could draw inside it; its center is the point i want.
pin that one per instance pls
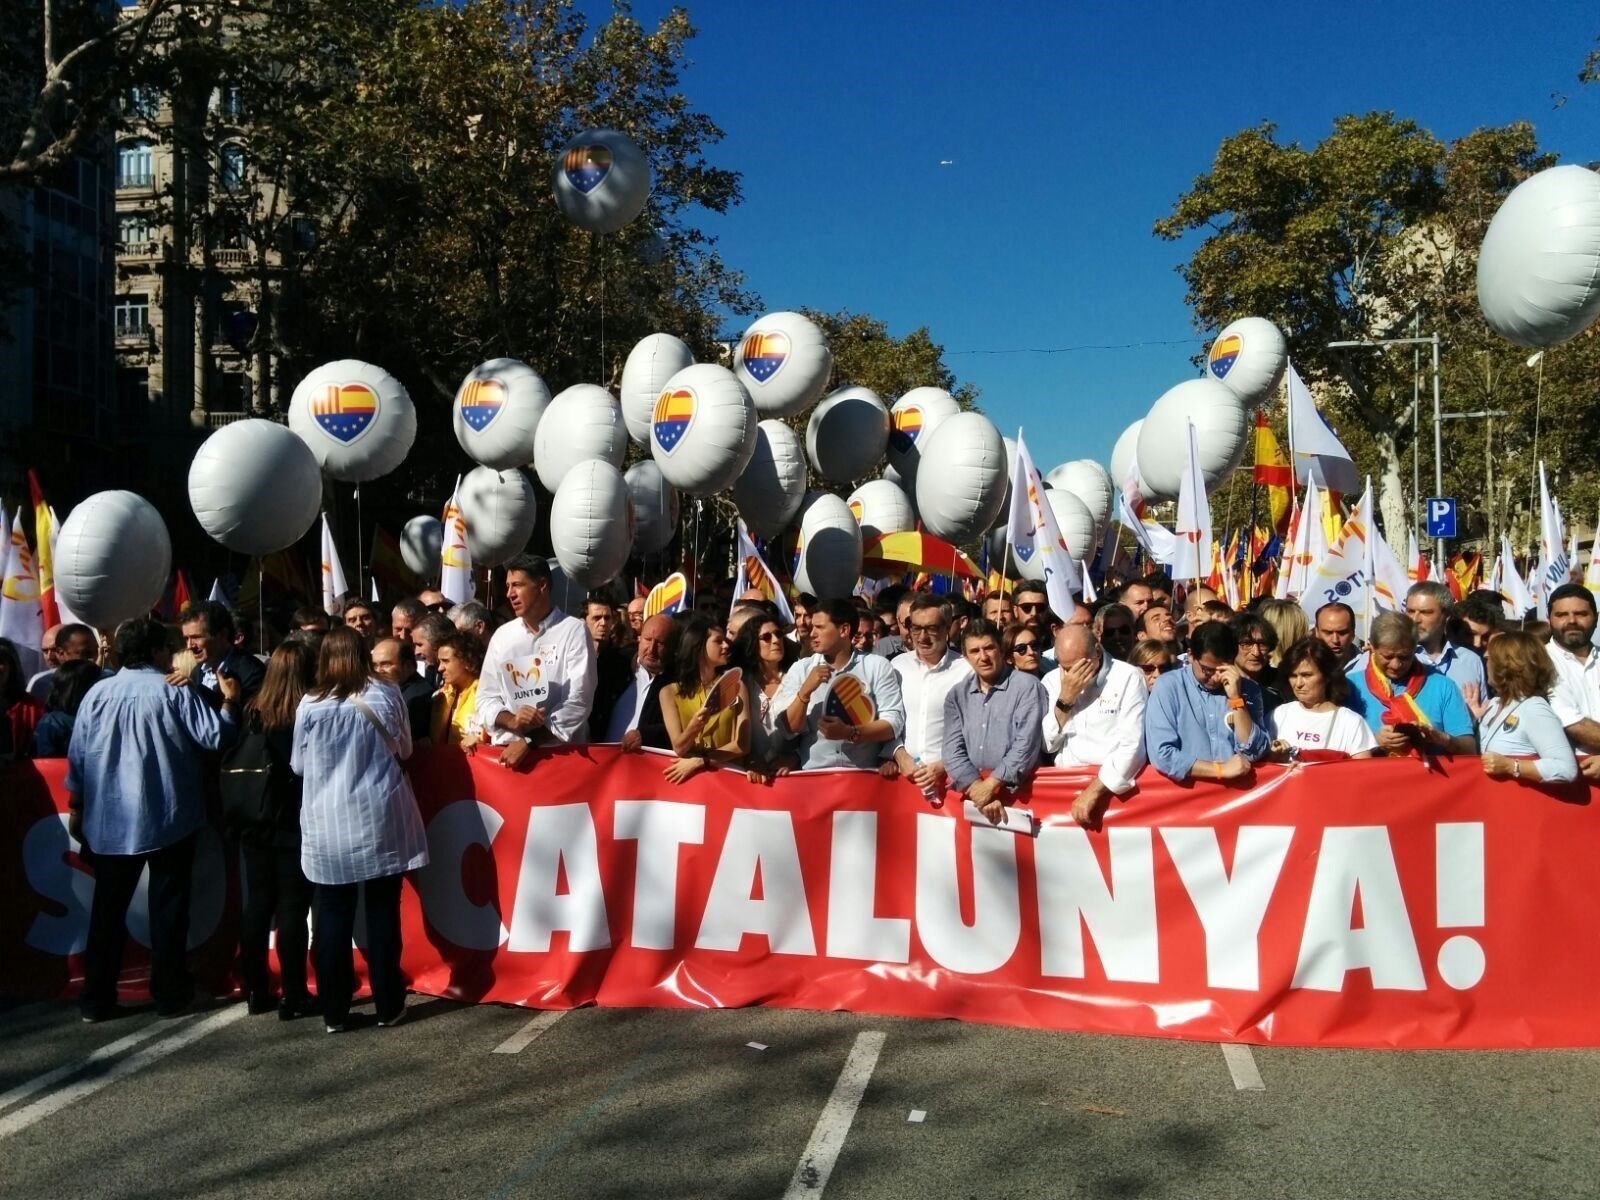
(1576, 696)
(623, 726)
(1095, 719)
(838, 724)
(539, 674)
(927, 673)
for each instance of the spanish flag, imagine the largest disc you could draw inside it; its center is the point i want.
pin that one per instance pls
(44, 540)
(1273, 472)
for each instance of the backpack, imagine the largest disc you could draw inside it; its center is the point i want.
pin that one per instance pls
(252, 782)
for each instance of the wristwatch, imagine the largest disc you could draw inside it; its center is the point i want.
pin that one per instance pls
(1063, 706)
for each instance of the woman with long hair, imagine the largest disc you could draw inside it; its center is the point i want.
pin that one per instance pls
(1153, 658)
(764, 653)
(359, 824)
(69, 684)
(1288, 622)
(704, 726)
(1521, 736)
(276, 888)
(1315, 725)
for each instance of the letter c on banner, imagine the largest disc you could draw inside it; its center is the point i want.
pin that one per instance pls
(456, 828)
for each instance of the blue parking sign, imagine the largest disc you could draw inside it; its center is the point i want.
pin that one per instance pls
(1441, 517)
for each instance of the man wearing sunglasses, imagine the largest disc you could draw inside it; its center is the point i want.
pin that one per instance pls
(928, 671)
(1205, 720)
(1095, 719)
(1113, 628)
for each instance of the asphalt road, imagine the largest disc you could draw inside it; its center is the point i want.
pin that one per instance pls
(498, 1102)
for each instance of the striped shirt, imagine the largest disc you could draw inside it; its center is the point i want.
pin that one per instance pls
(359, 818)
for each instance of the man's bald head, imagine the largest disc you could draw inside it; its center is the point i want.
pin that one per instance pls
(1074, 642)
(652, 646)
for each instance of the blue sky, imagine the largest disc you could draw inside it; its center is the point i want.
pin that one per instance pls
(1072, 129)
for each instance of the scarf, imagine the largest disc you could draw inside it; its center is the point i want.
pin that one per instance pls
(1400, 705)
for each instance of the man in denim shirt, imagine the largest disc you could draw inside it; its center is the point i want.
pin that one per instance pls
(135, 800)
(992, 723)
(1204, 720)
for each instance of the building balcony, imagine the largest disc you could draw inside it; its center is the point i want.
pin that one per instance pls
(216, 420)
(136, 181)
(133, 336)
(141, 252)
(231, 260)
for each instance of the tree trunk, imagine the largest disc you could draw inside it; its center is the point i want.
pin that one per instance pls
(1391, 493)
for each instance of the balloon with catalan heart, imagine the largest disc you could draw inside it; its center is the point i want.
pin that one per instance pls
(847, 434)
(112, 559)
(582, 422)
(500, 509)
(670, 596)
(650, 364)
(255, 487)
(1539, 267)
(1248, 358)
(784, 363)
(912, 420)
(357, 418)
(591, 523)
(601, 180)
(703, 430)
(962, 477)
(880, 506)
(497, 411)
(655, 507)
(772, 485)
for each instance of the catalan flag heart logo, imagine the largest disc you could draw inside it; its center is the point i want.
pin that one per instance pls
(849, 701)
(856, 510)
(1224, 353)
(669, 596)
(344, 410)
(586, 167)
(481, 402)
(906, 425)
(673, 415)
(763, 353)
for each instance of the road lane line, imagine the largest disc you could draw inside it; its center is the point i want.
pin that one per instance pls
(518, 1041)
(20, 1119)
(39, 1082)
(833, 1126)
(1242, 1066)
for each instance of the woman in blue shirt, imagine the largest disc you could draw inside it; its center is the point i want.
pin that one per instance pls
(1521, 735)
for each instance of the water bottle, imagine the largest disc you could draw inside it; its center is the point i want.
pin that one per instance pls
(932, 794)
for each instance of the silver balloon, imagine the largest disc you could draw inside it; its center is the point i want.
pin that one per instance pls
(501, 510)
(830, 549)
(703, 430)
(591, 523)
(1221, 424)
(601, 180)
(784, 363)
(655, 507)
(582, 422)
(847, 433)
(357, 418)
(1088, 481)
(769, 491)
(255, 487)
(1539, 268)
(1249, 357)
(112, 559)
(961, 478)
(880, 507)
(650, 364)
(497, 411)
(421, 540)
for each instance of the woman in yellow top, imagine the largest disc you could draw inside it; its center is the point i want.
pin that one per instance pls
(703, 728)
(460, 662)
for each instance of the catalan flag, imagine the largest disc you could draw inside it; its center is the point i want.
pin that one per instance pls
(344, 410)
(763, 352)
(44, 540)
(848, 701)
(586, 167)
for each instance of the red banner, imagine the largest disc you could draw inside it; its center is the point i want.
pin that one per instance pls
(1352, 904)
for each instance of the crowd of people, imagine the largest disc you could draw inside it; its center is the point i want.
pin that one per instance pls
(298, 753)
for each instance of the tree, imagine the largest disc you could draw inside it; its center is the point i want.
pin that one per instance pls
(865, 354)
(1369, 234)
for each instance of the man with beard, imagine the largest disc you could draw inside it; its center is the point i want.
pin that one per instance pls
(1576, 697)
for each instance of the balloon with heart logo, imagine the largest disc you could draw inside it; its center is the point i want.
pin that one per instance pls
(703, 429)
(357, 418)
(650, 364)
(881, 506)
(582, 422)
(591, 523)
(784, 363)
(497, 411)
(912, 420)
(601, 180)
(1249, 357)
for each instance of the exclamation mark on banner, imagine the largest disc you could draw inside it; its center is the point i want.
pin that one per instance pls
(1459, 886)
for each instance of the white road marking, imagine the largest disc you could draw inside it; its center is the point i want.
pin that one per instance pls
(756, 1045)
(45, 1106)
(1242, 1066)
(833, 1126)
(519, 1041)
(110, 1050)
(916, 1116)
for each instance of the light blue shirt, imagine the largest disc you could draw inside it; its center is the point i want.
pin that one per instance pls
(880, 682)
(135, 758)
(1459, 665)
(1530, 728)
(999, 731)
(1185, 723)
(1439, 699)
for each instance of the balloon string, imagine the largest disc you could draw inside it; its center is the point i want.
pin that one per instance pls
(261, 600)
(361, 565)
(600, 248)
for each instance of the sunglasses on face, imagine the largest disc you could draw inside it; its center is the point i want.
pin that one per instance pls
(772, 637)
(1159, 668)
(1030, 607)
(1025, 648)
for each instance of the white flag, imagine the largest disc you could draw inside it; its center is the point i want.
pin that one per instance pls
(1554, 569)
(1591, 577)
(455, 560)
(1157, 543)
(1390, 580)
(1508, 581)
(755, 576)
(333, 582)
(1313, 446)
(1193, 526)
(1033, 534)
(1345, 573)
(217, 595)
(1089, 593)
(1310, 545)
(21, 614)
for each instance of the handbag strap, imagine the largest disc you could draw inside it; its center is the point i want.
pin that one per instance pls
(366, 711)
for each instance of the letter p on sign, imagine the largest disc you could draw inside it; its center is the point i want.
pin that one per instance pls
(1441, 517)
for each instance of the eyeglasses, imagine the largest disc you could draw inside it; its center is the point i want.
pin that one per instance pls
(1025, 648)
(442, 606)
(1031, 607)
(1158, 668)
(1117, 631)
(1253, 643)
(771, 637)
(926, 630)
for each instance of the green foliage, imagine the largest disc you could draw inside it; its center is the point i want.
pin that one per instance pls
(865, 354)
